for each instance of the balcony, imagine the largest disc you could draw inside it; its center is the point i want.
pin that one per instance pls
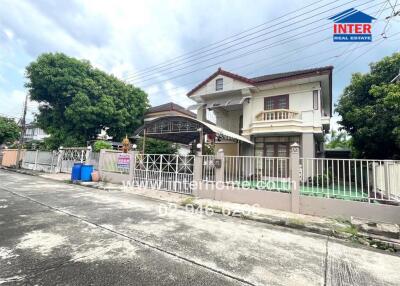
(276, 114)
(281, 121)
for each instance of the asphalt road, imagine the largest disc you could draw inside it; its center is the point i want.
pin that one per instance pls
(55, 233)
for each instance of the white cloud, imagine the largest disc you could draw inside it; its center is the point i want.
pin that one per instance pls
(9, 34)
(177, 94)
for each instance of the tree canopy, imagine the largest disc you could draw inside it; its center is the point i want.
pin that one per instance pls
(9, 130)
(77, 101)
(370, 110)
(338, 140)
(155, 146)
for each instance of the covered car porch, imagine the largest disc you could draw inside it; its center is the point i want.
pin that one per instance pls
(188, 131)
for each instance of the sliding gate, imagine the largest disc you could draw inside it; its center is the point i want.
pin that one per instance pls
(164, 172)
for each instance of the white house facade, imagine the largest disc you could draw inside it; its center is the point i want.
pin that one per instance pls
(273, 111)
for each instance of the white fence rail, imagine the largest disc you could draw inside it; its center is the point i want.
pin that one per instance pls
(261, 173)
(351, 179)
(208, 168)
(164, 172)
(45, 161)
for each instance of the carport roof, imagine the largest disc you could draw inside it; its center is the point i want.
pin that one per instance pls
(183, 129)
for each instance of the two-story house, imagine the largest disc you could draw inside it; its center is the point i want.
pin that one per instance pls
(34, 133)
(273, 111)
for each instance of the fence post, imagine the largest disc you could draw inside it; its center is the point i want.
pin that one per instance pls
(132, 164)
(88, 154)
(295, 176)
(197, 173)
(36, 158)
(59, 159)
(101, 162)
(52, 167)
(220, 171)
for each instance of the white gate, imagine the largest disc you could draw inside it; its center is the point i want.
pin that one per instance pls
(164, 172)
(69, 156)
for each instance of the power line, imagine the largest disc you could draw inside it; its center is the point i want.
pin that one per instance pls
(247, 42)
(223, 40)
(319, 61)
(249, 52)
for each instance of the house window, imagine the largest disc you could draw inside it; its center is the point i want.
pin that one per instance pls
(315, 99)
(276, 102)
(219, 84)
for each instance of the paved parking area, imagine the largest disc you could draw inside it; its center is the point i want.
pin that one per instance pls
(56, 233)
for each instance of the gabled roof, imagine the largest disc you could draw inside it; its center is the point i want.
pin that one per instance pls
(352, 16)
(170, 106)
(220, 72)
(291, 75)
(270, 78)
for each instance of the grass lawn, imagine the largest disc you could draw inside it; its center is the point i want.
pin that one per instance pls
(338, 192)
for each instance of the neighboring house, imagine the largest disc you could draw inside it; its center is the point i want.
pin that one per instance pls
(169, 108)
(273, 111)
(34, 133)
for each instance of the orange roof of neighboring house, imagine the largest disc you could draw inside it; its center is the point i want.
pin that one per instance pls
(265, 78)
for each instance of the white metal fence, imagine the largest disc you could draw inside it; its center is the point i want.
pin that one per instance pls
(154, 171)
(351, 179)
(45, 161)
(70, 156)
(208, 168)
(164, 172)
(261, 173)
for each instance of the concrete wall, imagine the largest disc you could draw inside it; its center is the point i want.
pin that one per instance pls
(346, 209)
(10, 157)
(228, 120)
(308, 145)
(308, 205)
(113, 177)
(265, 199)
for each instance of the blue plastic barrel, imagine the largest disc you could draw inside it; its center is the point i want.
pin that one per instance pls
(86, 173)
(76, 172)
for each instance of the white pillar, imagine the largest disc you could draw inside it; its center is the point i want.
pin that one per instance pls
(295, 176)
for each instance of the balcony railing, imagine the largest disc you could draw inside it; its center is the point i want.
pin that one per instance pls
(276, 114)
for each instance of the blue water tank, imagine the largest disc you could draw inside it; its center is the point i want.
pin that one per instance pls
(86, 173)
(76, 172)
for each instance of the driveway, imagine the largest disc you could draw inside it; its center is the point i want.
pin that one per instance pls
(57, 233)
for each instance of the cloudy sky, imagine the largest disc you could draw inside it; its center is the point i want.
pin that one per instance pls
(167, 47)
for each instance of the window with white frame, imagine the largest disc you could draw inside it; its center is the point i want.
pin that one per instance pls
(315, 99)
(219, 84)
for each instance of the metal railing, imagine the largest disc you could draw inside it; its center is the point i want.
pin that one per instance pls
(164, 172)
(262, 173)
(375, 181)
(208, 168)
(276, 114)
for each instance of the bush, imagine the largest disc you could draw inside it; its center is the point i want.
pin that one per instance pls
(101, 144)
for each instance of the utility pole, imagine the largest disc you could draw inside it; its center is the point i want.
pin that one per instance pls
(23, 127)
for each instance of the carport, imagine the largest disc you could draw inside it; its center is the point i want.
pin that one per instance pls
(185, 130)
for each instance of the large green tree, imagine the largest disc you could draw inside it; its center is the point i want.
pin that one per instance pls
(77, 100)
(370, 110)
(9, 130)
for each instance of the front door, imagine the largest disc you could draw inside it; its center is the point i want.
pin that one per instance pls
(276, 166)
